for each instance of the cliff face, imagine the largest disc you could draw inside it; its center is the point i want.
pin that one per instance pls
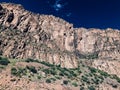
(36, 36)
(52, 39)
(24, 34)
(106, 43)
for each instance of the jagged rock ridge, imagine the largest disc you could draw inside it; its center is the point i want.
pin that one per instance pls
(52, 39)
(24, 34)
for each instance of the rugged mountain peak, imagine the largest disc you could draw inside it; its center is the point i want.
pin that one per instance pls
(40, 36)
(28, 35)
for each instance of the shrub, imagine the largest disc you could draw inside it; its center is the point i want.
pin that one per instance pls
(65, 82)
(96, 81)
(14, 71)
(93, 70)
(117, 78)
(53, 79)
(114, 86)
(32, 69)
(105, 74)
(81, 88)
(61, 74)
(47, 71)
(58, 77)
(13, 79)
(46, 64)
(75, 84)
(48, 80)
(53, 71)
(92, 56)
(21, 71)
(39, 77)
(85, 79)
(4, 61)
(18, 72)
(91, 88)
(29, 60)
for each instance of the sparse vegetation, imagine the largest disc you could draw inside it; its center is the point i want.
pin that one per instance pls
(92, 56)
(85, 79)
(91, 88)
(105, 74)
(75, 84)
(93, 70)
(65, 82)
(29, 60)
(114, 86)
(81, 88)
(39, 77)
(48, 80)
(88, 76)
(18, 71)
(116, 77)
(14, 71)
(32, 69)
(89, 56)
(4, 61)
(37, 40)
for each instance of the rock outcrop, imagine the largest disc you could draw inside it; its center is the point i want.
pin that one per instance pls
(27, 35)
(36, 36)
(24, 34)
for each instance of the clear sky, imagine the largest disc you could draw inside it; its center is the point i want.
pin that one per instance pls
(82, 13)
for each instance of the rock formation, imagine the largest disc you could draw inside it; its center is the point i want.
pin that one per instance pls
(24, 34)
(28, 35)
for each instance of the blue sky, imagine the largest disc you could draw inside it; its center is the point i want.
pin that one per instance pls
(82, 13)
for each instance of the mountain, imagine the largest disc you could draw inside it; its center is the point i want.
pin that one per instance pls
(49, 39)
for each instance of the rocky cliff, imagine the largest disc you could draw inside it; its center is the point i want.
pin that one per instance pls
(24, 34)
(45, 38)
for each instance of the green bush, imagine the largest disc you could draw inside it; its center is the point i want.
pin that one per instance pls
(53, 71)
(82, 88)
(91, 88)
(48, 80)
(32, 69)
(46, 71)
(92, 56)
(61, 74)
(14, 71)
(21, 71)
(96, 80)
(85, 79)
(65, 82)
(4, 61)
(53, 79)
(58, 77)
(29, 60)
(75, 84)
(93, 70)
(47, 64)
(39, 77)
(116, 77)
(105, 74)
(18, 72)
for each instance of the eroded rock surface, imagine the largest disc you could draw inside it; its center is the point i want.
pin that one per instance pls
(24, 34)
(52, 39)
